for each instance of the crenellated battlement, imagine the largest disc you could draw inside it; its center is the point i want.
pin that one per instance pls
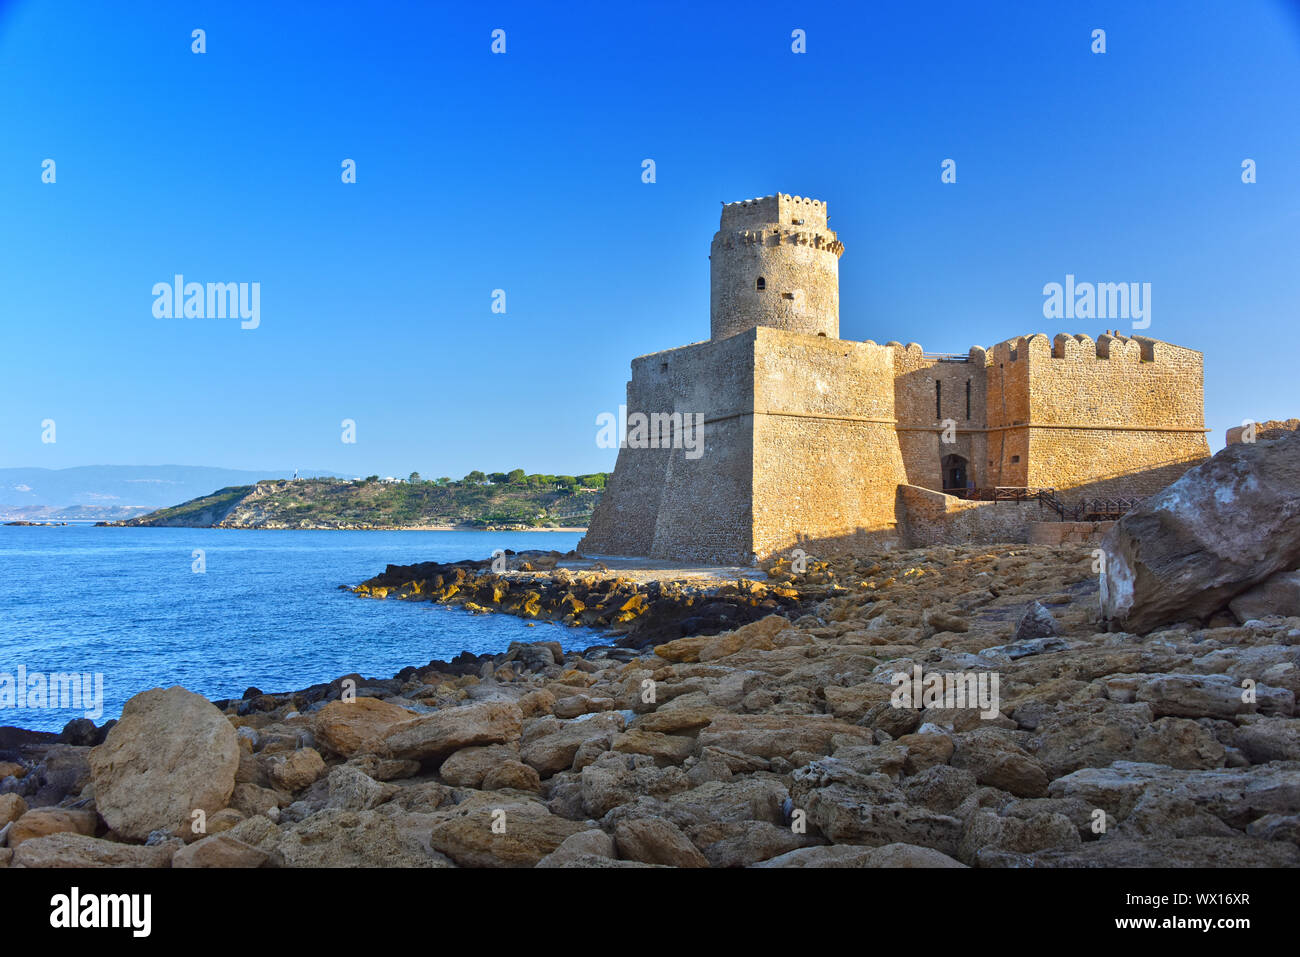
(1079, 347)
(779, 209)
(1076, 347)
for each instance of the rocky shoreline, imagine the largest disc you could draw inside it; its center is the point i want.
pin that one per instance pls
(951, 706)
(772, 744)
(641, 606)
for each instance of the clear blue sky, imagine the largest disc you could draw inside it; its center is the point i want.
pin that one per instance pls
(523, 172)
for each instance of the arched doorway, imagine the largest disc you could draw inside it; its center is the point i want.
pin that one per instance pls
(955, 474)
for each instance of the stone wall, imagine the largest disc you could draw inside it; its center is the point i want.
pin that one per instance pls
(826, 462)
(961, 397)
(1119, 416)
(659, 502)
(932, 518)
(1067, 533)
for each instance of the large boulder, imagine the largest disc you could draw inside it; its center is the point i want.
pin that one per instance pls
(173, 753)
(1279, 595)
(1224, 527)
(43, 821)
(550, 745)
(357, 726)
(652, 840)
(847, 855)
(493, 831)
(70, 849)
(219, 851)
(447, 731)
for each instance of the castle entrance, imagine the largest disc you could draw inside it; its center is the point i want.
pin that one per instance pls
(954, 469)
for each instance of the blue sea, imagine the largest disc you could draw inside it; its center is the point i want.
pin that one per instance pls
(266, 612)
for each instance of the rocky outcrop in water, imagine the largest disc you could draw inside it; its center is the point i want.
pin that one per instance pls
(641, 612)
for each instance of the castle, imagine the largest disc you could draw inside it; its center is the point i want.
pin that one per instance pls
(823, 443)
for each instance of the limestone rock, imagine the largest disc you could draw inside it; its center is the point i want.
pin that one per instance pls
(1237, 796)
(1268, 739)
(848, 855)
(656, 841)
(353, 790)
(512, 774)
(580, 845)
(998, 762)
(1192, 852)
(12, 807)
(468, 766)
(1278, 595)
(778, 735)
(299, 770)
(676, 721)
(987, 830)
(70, 849)
(41, 821)
(664, 748)
(742, 843)
(1210, 696)
(251, 799)
(384, 836)
(443, 732)
(550, 745)
(1224, 527)
(755, 636)
(219, 850)
(1092, 735)
(505, 834)
(852, 808)
(358, 726)
(1180, 743)
(940, 620)
(614, 779)
(172, 753)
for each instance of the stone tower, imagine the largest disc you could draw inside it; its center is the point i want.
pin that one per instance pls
(775, 263)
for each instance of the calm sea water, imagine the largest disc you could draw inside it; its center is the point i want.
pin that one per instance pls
(268, 612)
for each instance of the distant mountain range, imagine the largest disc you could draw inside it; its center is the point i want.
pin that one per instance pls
(116, 492)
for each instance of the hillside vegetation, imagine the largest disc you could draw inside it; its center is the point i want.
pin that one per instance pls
(477, 501)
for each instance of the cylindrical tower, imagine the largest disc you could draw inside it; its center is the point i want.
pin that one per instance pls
(775, 263)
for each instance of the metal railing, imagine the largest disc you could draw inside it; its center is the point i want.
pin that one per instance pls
(1085, 510)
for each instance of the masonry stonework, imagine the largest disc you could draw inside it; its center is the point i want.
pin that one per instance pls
(815, 442)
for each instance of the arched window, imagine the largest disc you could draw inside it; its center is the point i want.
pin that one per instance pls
(761, 284)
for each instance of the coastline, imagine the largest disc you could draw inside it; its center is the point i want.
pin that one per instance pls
(346, 528)
(700, 751)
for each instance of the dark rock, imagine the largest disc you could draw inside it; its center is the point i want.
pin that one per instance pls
(1036, 623)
